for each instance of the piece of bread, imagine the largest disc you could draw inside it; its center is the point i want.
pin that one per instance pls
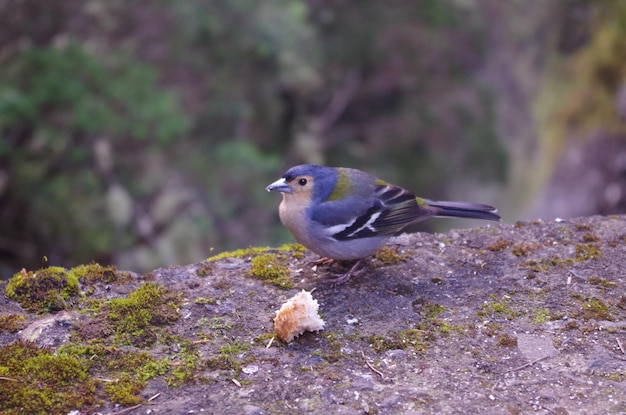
(297, 315)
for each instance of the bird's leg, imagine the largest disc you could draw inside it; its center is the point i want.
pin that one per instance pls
(345, 277)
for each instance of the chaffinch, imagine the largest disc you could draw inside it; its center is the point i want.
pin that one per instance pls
(347, 214)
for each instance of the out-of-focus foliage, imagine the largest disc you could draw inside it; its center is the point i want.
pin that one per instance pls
(145, 133)
(74, 129)
(417, 106)
(583, 79)
(580, 168)
(598, 70)
(57, 104)
(60, 91)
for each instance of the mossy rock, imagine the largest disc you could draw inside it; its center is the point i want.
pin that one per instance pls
(47, 289)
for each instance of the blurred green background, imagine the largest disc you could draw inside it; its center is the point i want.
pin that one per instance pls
(144, 133)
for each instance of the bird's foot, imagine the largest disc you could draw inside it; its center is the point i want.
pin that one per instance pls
(354, 271)
(323, 261)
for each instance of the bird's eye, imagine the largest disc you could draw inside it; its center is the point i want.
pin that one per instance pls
(302, 181)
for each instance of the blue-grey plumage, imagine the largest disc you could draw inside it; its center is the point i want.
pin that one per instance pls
(347, 214)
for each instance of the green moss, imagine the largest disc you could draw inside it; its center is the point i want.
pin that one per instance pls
(414, 339)
(381, 344)
(426, 309)
(38, 382)
(507, 341)
(233, 349)
(129, 369)
(218, 323)
(334, 347)
(263, 339)
(583, 252)
(430, 323)
(206, 268)
(96, 273)
(602, 282)
(389, 256)
(432, 310)
(545, 264)
(124, 390)
(492, 329)
(588, 237)
(586, 252)
(184, 371)
(138, 319)
(444, 327)
(239, 253)
(541, 316)
(118, 361)
(47, 289)
(57, 383)
(228, 359)
(595, 309)
(271, 268)
(499, 245)
(497, 307)
(500, 308)
(267, 264)
(152, 369)
(223, 362)
(12, 323)
(222, 284)
(98, 366)
(204, 300)
(616, 376)
(524, 249)
(297, 251)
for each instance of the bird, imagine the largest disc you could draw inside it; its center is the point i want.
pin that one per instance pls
(343, 213)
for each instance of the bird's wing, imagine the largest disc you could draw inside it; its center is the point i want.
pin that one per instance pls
(387, 212)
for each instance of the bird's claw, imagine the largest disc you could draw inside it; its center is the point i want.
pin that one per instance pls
(323, 261)
(354, 271)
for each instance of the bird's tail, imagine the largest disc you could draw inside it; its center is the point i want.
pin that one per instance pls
(464, 210)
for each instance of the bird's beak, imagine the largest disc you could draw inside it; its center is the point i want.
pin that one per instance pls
(279, 185)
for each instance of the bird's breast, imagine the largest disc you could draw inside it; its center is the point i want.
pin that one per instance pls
(294, 216)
